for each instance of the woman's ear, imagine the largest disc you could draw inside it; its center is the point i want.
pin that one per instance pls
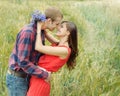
(68, 33)
(49, 20)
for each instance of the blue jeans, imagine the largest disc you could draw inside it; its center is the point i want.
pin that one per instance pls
(17, 86)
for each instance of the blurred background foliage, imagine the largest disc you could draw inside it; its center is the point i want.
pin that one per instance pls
(97, 72)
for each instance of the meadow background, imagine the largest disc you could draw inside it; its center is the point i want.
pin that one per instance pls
(97, 72)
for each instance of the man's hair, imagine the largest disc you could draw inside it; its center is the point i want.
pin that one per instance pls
(53, 13)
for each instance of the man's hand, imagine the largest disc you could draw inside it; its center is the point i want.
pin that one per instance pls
(49, 75)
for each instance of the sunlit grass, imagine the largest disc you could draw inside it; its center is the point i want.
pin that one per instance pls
(98, 64)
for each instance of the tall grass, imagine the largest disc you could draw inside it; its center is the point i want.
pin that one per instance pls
(98, 64)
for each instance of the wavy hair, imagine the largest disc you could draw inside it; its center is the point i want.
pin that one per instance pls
(73, 43)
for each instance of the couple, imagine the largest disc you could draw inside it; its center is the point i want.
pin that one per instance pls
(32, 62)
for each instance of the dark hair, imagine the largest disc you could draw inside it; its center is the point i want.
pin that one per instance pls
(53, 13)
(73, 43)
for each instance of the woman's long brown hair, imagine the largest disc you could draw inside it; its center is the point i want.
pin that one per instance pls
(73, 43)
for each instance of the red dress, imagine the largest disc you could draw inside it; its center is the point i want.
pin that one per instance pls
(39, 87)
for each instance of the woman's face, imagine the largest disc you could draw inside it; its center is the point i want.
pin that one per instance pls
(62, 30)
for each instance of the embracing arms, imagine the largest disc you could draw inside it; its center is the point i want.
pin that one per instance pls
(57, 51)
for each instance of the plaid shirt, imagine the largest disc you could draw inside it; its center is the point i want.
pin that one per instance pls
(24, 57)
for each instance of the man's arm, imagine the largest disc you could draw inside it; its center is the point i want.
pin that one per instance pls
(24, 51)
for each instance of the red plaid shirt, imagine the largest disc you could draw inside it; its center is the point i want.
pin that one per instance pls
(24, 57)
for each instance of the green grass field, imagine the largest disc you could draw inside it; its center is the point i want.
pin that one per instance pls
(97, 72)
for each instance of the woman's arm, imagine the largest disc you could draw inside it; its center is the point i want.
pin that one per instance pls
(51, 38)
(57, 51)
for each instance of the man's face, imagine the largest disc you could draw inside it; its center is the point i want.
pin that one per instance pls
(55, 24)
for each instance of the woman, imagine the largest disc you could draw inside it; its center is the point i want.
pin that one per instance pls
(55, 56)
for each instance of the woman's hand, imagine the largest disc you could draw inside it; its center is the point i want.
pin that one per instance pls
(39, 26)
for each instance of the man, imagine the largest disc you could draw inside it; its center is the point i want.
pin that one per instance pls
(24, 58)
